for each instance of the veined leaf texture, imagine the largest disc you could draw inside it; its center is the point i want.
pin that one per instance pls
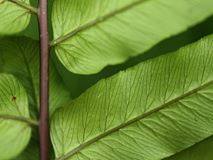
(91, 34)
(199, 151)
(159, 109)
(148, 112)
(23, 62)
(13, 17)
(31, 152)
(15, 129)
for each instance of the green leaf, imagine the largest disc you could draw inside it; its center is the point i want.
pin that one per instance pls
(150, 111)
(77, 84)
(14, 16)
(200, 151)
(32, 31)
(20, 57)
(89, 35)
(31, 152)
(15, 120)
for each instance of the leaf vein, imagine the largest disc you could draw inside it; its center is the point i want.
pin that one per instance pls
(136, 119)
(95, 22)
(29, 121)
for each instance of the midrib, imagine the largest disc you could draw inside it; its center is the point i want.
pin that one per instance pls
(29, 121)
(24, 5)
(136, 119)
(95, 22)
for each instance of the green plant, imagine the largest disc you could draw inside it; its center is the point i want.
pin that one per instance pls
(153, 108)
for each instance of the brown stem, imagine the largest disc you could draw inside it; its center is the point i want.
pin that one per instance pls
(44, 84)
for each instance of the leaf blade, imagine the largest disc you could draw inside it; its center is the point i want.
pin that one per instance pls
(200, 151)
(23, 62)
(14, 133)
(156, 107)
(90, 35)
(13, 18)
